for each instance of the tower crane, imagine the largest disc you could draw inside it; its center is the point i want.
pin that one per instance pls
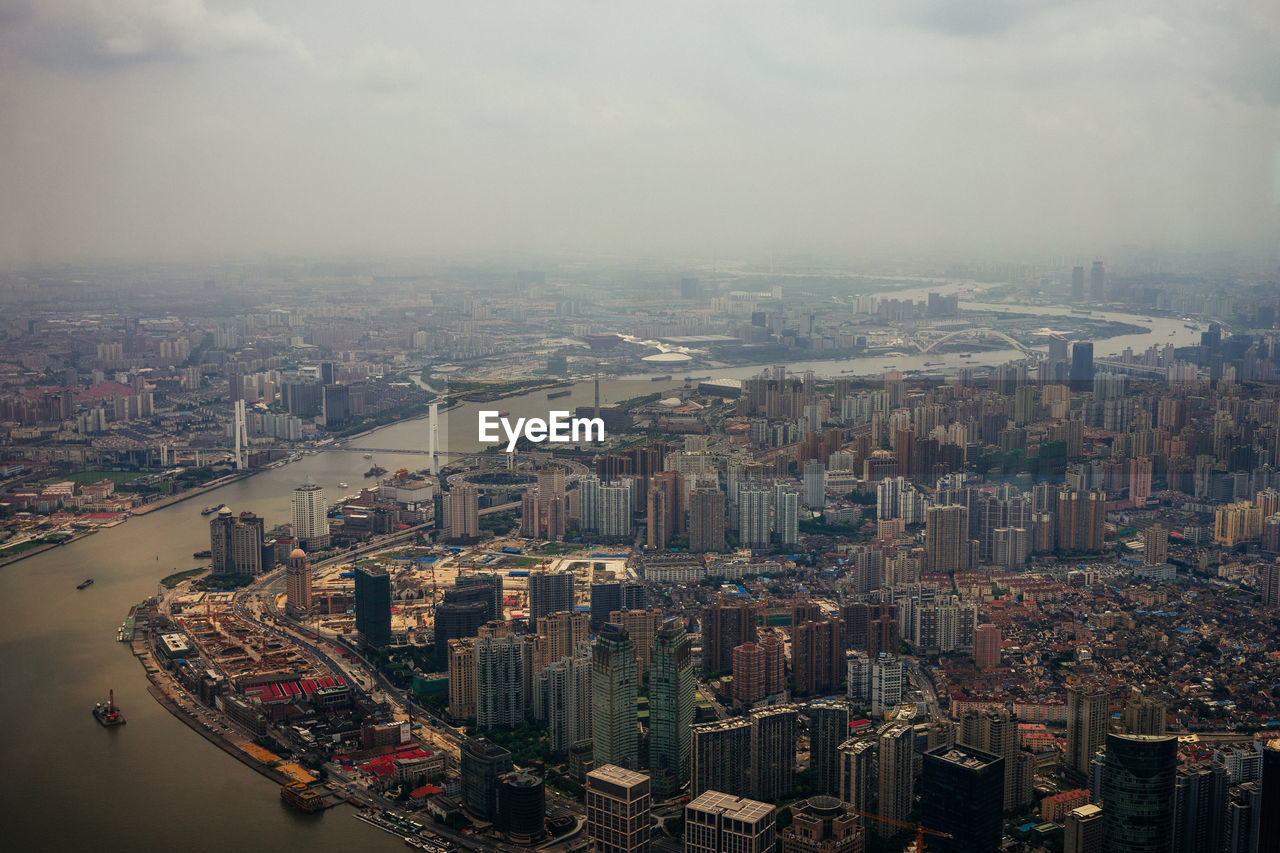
(919, 829)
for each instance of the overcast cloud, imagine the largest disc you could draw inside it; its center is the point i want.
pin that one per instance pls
(136, 127)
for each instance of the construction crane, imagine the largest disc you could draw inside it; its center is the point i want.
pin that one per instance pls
(919, 829)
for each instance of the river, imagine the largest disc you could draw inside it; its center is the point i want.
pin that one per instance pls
(71, 785)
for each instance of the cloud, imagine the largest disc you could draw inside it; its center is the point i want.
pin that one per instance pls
(383, 69)
(973, 17)
(107, 34)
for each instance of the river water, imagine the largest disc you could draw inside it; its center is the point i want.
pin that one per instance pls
(69, 784)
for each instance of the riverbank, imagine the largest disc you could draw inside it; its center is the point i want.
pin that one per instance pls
(140, 647)
(194, 492)
(46, 546)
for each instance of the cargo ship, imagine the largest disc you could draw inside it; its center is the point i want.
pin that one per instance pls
(210, 510)
(660, 378)
(555, 395)
(375, 471)
(107, 713)
(85, 583)
(202, 555)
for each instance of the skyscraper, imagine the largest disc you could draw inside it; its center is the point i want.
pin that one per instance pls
(461, 613)
(815, 484)
(609, 596)
(1138, 781)
(672, 683)
(373, 606)
(828, 729)
(1081, 375)
(642, 627)
(773, 752)
(962, 794)
(1077, 284)
(618, 802)
(946, 546)
(310, 516)
(482, 762)
(614, 681)
(549, 592)
(1087, 714)
(298, 582)
(716, 822)
(499, 678)
(1097, 282)
(1269, 826)
(491, 581)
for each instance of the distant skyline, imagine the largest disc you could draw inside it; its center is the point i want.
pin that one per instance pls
(178, 127)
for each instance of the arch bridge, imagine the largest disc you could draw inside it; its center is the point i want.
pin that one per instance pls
(981, 332)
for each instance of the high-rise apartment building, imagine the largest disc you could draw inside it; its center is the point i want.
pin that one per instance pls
(857, 757)
(721, 757)
(987, 647)
(1081, 517)
(706, 520)
(725, 627)
(235, 542)
(895, 777)
(773, 752)
(463, 512)
(946, 547)
(754, 525)
(996, 732)
(549, 592)
(499, 679)
(828, 729)
(563, 694)
(1144, 715)
(618, 803)
(310, 516)
(786, 516)
(462, 679)
(459, 615)
(817, 657)
(1087, 713)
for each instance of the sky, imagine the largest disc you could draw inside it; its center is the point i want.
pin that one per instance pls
(140, 128)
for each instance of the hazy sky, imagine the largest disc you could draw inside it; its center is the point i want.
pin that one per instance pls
(132, 127)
